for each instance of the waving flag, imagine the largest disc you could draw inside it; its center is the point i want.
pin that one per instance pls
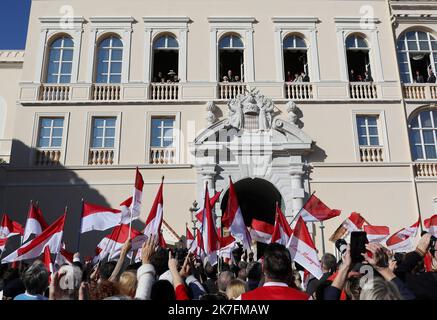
(213, 200)
(354, 222)
(261, 231)
(51, 237)
(210, 238)
(189, 237)
(125, 210)
(64, 257)
(95, 217)
(47, 260)
(233, 219)
(282, 230)
(227, 245)
(376, 233)
(403, 239)
(9, 228)
(136, 198)
(154, 220)
(35, 223)
(3, 244)
(430, 225)
(302, 249)
(315, 210)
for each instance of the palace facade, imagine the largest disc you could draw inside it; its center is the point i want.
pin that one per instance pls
(287, 97)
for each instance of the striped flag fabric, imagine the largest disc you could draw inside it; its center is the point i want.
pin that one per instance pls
(135, 207)
(430, 225)
(51, 237)
(125, 210)
(47, 260)
(227, 245)
(354, 222)
(315, 210)
(402, 240)
(96, 217)
(213, 200)
(9, 228)
(35, 223)
(210, 239)
(261, 231)
(376, 234)
(282, 230)
(3, 244)
(302, 249)
(189, 237)
(154, 220)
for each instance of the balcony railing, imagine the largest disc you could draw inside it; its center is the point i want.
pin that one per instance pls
(362, 90)
(229, 90)
(47, 157)
(101, 156)
(106, 92)
(298, 90)
(420, 91)
(54, 92)
(164, 91)
(425, 169)
(162, 155)
(371, 154)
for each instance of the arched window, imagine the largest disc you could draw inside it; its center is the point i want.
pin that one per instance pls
(295, 59)
(358, 62)
(60, 60)
(231, 58)
(109, 60)
(417, 55)
(165, 59)
(423, 131)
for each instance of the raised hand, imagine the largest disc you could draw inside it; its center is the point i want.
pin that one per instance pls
(148, 249)
(55, 291)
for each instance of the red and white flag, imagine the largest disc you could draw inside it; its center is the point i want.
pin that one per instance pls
(3, 244)
(154, 220)
(315, 210)
(190, 238)
(227, 245)
(35, 223)
(376, 233)
(210, 239)
(430, 225)
(197, 248)
(47, 260)
(64, 257)
(95, 217)
(302, 249)
(282, 230)
(233, 219)
(213, 200)
(125, 210)
(110, 246)
(137, 195)
(51, 237)
(354, 222)
(261, 231)
(402, 240)
(9, 228)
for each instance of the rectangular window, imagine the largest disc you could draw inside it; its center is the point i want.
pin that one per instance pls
(103, 132)
(162, 134)
(368, 131)
(50, 132)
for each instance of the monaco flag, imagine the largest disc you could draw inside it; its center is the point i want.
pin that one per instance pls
(51, 237)
(47, 260)
(354, 222)
(125, 210)
(154, 220)
(430, 225)
(227, 245)
(35, 223)
(315, 210)
(64, 257)
(376, 233)
(261, 231)
(403, 239)
(282, 230)
(210, 239)
(302, 249)
(95, 217)
(213, 200)
(136, 198)
(233, 219)
(9, 228)
(3, 244)
(189, 237)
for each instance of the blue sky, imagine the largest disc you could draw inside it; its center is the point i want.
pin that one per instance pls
(14, 16)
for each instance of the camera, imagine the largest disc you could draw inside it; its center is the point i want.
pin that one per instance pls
(341, 245)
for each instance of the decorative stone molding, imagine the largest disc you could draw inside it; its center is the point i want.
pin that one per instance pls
(293, 112)
(210, 113)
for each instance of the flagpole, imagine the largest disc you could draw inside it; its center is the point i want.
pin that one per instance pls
(322, 233)
(80, 225)
(297, 214)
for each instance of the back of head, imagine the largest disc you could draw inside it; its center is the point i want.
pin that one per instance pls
(223, 280)
(13, 288)
(106, 269)
(211, 271)
(70, 282)
(277, 263)
(159, 260)
(352, 287)
(329, 262)
(379, 289)
(236, 288)
(254, 271)
(36, 278)
(162, 290)
(128, 283)
(104, 289)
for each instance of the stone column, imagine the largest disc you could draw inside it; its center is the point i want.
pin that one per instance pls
(297, 190)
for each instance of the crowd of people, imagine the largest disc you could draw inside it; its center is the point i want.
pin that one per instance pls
(167, 275)
(354, 77)
(302, 77)
(231, 77)
(170, 77)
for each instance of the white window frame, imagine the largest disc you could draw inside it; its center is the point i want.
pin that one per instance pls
(110, 49)
(421, 129)
(51, 28)
(58, 74)
(89, 128)
(176, 132)
(154, 27)
(346, 26)
(100, 28)
(35, 134)
(307, 27)
(219, 26)
(382, 132)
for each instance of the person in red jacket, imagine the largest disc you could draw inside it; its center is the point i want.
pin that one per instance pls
(277, 270)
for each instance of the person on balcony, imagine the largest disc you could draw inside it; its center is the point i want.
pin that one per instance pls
(352, 77)
(289, 77)
(305, 77)
(431, 76)
(297, 78)
(419, 78)
(225, 79)
(368, 76)
(237, 79)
